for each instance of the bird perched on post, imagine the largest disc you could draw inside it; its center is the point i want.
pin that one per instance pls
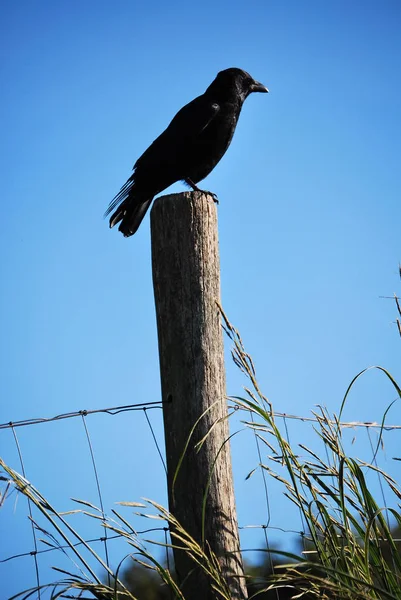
(188, 150)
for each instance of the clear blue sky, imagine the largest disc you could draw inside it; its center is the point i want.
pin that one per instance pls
(309, 223)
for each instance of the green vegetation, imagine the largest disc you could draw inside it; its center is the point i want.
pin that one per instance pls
(351, 550)
(350, 539)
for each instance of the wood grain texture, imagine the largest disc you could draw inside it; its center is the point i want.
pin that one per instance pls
(186, 279)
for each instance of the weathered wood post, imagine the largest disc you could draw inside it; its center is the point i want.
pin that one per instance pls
(186, 279)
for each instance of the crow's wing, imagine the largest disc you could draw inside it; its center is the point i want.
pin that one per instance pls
(183, 130)
(164, 158)
(195, 116)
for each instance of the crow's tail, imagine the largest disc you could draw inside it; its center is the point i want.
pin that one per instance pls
(130, 209)
(130, 213)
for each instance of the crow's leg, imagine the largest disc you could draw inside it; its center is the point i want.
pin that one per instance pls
(196, 189)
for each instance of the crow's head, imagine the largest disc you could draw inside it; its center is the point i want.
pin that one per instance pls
(237, 81)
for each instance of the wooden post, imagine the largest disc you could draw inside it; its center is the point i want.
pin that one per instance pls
(186, 280)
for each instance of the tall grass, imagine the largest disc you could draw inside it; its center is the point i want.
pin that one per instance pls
(350, 539)
(351, 553)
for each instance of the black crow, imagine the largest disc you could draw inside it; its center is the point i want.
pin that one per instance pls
(188, 150)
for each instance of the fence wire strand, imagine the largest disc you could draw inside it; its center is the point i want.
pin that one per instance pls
(374, 462)
(302, 518)
(65, 546)
(155, 439)
(266, 495)
(106, 552)
(35, 559)
(369, 427)
(115, 410)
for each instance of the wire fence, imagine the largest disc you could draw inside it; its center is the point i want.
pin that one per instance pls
(268, 523)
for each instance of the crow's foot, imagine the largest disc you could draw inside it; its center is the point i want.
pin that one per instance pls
(196, 189)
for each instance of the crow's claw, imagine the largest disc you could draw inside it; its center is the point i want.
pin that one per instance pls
(196, 189)
(212, 194)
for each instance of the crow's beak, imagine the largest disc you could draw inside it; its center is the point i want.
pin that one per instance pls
(258, 87)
